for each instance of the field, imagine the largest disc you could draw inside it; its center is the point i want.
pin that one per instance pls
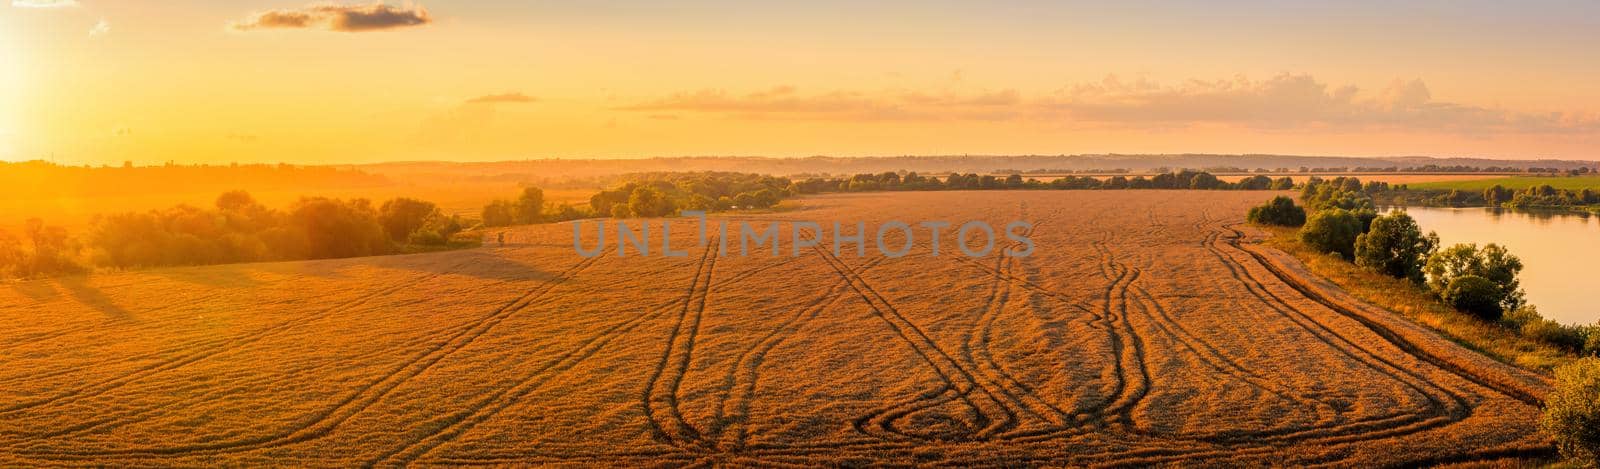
(1516, 182)
(1146, 328)
(1299, 178)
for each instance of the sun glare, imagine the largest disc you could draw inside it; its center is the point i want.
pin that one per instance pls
(11, 67)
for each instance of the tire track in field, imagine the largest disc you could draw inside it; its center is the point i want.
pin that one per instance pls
(325, 422)
(453, 426)
(733, 412)
(207, 350)
(977, 352)
(1266, 442)
(1443, 406)
(1389, 335)
(958, 381)
(1202, 354)
(114, 324)
(1123, 396)
(660, 396)
(170, 351)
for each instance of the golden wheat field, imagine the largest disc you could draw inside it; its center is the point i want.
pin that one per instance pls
(1146, 328)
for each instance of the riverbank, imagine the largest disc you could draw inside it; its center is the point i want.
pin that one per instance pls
(1412, 302)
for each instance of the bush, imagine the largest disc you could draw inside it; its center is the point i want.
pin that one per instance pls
(1395, 246)
(1332, 230)
(1572, 411)
(530, 206)
(648, 202)
(500, 213)
(1473, 294)
(401, 217)
(1492, 263)
(43, 251)
(1279, 211)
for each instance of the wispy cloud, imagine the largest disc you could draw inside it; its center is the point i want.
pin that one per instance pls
(1294, 101)
(341, 18)
(1283, 102)
(100, 28)
(781, 102)
(44, 3)
(512, 97)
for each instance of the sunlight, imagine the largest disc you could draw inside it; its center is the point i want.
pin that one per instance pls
(10, 94)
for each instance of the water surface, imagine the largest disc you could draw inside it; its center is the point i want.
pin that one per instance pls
(1560, 253)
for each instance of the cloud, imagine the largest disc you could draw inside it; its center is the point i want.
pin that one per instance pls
(1294, 101)
(781, 102)
(512, 97)
(44, 3)
(1282, 102)
(100, 28)
(340, 18)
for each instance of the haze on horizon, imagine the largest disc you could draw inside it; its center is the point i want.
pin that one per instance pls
(100, 82)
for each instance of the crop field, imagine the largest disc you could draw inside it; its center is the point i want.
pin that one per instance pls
(1145, 328)
(1516, 182)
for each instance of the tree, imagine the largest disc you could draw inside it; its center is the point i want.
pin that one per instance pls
(401, 217)
(1497, 195)
(1572, 411)
(530, 206)
(52, 250)
(334, 228)
(1203, 181)
(500, 213)
(1395, 246)
(1492, 263)
(649, 202)
(1332, 230)
(1255, 183)
(11, 255)
(1279, 211)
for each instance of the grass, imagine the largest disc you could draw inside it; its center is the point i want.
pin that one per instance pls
(1416, 303)
(1514, 182)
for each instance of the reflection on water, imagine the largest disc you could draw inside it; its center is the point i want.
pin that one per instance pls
(1560, 252)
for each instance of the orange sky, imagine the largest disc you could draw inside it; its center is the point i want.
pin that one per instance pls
(265, 81)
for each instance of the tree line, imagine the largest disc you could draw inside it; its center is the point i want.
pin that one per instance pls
(235, 229)
(1535, 197)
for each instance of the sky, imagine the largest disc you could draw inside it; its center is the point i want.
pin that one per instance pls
(102, 82)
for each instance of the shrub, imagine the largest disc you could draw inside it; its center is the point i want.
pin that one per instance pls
(500, 213)
(1279, 211)
(648, 202)
(1572, 338)
(1332, 230)
(1572, 411)
(1395, 246)
(401, 217)
(1473, 294)
(1492, 263)
(427, 238)
(530, 206)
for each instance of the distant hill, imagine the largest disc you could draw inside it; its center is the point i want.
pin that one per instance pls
(548, 170)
